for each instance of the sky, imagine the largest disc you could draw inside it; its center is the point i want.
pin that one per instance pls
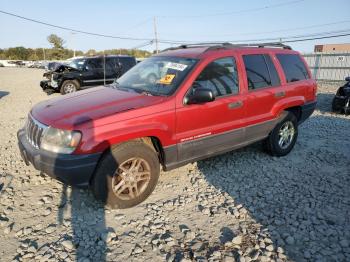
(180, 20)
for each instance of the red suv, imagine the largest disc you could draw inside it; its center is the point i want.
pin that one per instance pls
(205, 100)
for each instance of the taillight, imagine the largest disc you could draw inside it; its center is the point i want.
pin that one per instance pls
(314, 89)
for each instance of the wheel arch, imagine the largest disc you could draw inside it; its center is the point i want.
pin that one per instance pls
(292, 105)
(152, 141)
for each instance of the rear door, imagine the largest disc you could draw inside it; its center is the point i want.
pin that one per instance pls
(264, 86)
(297, 77)
(126, 63)
(204, 129)
(111, 69)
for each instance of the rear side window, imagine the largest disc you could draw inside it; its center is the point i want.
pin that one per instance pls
(95, 63)
(261, 71)
(293, 67)
(220, 76)
(275, 80)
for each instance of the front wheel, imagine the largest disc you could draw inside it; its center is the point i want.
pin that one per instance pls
(69, 86)
(126, 175)
(283, 137)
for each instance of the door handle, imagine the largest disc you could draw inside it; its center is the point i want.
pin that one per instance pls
(236, 104)
(280, 94)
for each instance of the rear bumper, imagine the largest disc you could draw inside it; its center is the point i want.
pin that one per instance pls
(76, 170)
(339, 103)
(307, 110)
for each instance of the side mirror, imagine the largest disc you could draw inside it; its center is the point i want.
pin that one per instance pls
(347, 79)
(200, 95)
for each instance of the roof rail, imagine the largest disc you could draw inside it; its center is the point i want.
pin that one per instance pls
(216, 45)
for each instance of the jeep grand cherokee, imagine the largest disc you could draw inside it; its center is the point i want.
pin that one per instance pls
(206, 100)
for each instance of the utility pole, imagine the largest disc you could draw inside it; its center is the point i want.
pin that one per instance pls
(44, 54)
(155, 34)
(72, 37)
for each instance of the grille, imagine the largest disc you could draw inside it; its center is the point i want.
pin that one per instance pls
(34, 131)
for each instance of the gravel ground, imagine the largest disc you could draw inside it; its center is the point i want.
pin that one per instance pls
(241, 206)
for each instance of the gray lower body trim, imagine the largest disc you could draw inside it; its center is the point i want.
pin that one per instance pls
(98, 80)
(194, 150)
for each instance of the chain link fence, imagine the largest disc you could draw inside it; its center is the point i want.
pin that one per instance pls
(329, 66)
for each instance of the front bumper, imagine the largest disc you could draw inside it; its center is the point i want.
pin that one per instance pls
(76, 170)
(47, 84)
(307, 110)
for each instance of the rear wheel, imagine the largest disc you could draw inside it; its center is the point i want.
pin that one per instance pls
(127, 175)
(69, 86)
(283, 137)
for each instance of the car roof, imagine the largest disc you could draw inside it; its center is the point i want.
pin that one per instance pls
(202, 51)
(108, 56)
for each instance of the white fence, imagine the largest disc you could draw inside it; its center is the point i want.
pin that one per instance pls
(329, 66)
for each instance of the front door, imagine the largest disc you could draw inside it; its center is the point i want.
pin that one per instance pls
(93, 74)
(204, 129)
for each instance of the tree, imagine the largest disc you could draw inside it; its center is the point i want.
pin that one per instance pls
(56, 41)
(91, 52)
(18, 53)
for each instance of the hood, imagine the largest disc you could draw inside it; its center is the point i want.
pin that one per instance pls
(69, 111)
(60, 69)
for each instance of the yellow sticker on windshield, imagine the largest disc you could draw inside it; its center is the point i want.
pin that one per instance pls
(167, 79)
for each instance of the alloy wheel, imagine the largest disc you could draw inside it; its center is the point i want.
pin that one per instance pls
(131, 179)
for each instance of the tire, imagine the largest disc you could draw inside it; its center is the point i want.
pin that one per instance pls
(288, 128)
(69, 86)
(347, 107)
(335, 107)
(109, 173)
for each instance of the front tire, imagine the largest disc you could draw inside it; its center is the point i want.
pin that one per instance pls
(126, 175)
(69, 86)
(283, 137)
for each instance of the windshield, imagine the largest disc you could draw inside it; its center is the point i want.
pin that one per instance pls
(156, 75)
(77, 63)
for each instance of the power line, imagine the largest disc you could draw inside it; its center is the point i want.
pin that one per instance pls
(143, 45)
(285, 29)
(295, 37)
(143, 22)
(298, 28)
(316, 38)
(236, 12)
(287, 41)
(75, 30)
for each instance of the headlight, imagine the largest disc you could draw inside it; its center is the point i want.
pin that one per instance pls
(60, 141)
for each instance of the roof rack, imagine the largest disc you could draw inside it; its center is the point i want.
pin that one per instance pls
(216, 45)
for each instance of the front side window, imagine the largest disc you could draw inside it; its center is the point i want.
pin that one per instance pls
(294, 69)
(77, 63)
(158, 75)
(220, 76)
(260, 71)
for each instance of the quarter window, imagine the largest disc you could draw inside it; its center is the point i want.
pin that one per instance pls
(294, 69)
(261, 71)
(220, 76)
